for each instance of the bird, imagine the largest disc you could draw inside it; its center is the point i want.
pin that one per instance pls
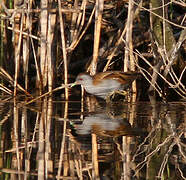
(104, 84)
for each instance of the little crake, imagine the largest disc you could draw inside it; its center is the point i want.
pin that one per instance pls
(104, 84)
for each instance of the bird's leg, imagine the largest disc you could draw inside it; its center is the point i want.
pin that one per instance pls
(108, 98)
(123, 93)
(111, 96)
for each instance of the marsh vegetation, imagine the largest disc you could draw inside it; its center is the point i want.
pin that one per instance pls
(48, 131)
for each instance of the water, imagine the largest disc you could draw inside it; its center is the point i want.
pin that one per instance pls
(51, 139)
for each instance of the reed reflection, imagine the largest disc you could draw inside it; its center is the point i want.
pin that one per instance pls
(50, 139)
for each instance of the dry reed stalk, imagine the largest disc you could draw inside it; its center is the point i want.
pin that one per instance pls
(75, 42)
(164, 43)
(26, 43)
(79, 20)
(74, 21)
(82, 102)
(63, 10)
(5, 118)
(12, 172)
(38, 72)
(129, 63)
(162, 147)
(11, 81)
(109, 58)
(16, 140)
(41, 143)
(77, 168)
(25, 59)
(126, 157)
(72, 163)
(63, 140)
(48, 151)
(129, 58)
(120, 40)
(46, 94)
(177, 86)
(65, 165)
(5, 89)
(174, 52)
(24, 133)
(157, 14)
(43, 49)
(64, 50)
(132, 109)
(24, 33)
(95, 168)
(50, 56)
(17, 48)
(1, 41)
(156, 68)
(97, 34)
(34, 134)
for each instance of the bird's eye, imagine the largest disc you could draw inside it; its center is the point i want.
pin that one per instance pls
(80, 79)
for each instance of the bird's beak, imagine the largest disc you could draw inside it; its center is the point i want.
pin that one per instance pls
(74, 84)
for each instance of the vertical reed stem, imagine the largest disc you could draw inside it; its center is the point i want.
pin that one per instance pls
(129, 64)
(43, 50)
(97, 32)
(64, 49)
(95, 170)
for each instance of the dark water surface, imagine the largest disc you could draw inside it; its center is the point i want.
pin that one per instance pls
(92, 140)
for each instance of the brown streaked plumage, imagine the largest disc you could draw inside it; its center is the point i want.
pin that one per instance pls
(122, 77)
(105, 83)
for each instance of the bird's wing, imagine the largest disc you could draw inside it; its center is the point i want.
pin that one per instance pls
(102, 75)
